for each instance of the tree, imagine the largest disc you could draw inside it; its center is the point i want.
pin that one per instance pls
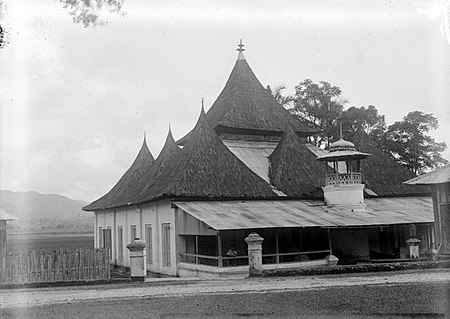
(284, 100)
(408, 142)
(88, 12)
(367, 119)
(321, 104)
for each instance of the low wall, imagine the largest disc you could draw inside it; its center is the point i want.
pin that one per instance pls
(211, 272)
(357, 268)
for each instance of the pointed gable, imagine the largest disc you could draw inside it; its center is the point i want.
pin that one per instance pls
(245, 107)
(381, 173)
(294, 169)
(245, 104)
(207, 169)
(169, 154)
(123, 189)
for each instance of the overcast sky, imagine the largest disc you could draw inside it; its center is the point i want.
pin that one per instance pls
(75, 102)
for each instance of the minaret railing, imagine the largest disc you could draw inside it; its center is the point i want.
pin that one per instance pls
(343, 179)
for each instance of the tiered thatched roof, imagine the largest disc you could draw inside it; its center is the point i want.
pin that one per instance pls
(169, 154)
(206, 169)
(294, 169)
(245, 107)
(382, 174)
(123, 190)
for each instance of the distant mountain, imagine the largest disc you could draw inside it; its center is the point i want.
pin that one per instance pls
(45, 211)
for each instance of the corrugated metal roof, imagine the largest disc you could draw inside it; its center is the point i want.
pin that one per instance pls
(438, 176)
(253, 154)
(275, 214)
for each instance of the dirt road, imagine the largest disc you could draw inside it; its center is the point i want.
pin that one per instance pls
(389, 295)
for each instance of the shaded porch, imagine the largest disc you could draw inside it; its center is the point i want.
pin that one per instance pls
(280, 246)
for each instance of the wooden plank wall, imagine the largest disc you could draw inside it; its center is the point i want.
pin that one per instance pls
(54, 265)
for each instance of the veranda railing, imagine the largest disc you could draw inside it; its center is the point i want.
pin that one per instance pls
(221, 261)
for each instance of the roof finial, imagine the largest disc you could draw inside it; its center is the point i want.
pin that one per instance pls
(145, 135)
(240, 49)
(340, 130)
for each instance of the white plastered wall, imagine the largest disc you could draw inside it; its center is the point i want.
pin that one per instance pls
(154, 214)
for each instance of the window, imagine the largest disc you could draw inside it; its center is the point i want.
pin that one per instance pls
(148, 241)
(166, 244)
(133, 232)
(107, 240)
(120, 243)
(100, 237)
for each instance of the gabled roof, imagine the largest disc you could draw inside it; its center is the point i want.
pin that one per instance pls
(123, 190)
(294, 169)
(245, 107)
(438, 176)
(207, 169)
(382, 174)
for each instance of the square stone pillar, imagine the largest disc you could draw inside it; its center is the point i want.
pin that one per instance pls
(138, 265)
(413, 244)
(254, 242)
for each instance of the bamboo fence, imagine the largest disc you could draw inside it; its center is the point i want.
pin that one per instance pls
(54, 265)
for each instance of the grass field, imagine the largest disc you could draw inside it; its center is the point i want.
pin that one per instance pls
(32, 241)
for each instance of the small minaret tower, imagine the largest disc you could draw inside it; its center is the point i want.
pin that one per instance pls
(343, 181)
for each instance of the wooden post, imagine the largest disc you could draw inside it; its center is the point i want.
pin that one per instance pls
(277, 257)
(196, 249)
(219, 249)
(332, 260)
(329, 242)
(2, 249)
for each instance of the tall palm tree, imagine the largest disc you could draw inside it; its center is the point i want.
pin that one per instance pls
(284, 100)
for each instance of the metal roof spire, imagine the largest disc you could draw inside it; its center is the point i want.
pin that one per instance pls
(240, 50)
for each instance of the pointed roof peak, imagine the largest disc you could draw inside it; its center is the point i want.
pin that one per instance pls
(202, 112)
(240, 49)
(169, 135)
(293, 168)
(289, 130)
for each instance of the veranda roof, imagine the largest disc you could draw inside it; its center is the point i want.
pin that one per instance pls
(123, 190)
(438, 176)
(245, 107)
(231, 215)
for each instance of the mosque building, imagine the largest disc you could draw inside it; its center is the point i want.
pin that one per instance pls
(246, 167)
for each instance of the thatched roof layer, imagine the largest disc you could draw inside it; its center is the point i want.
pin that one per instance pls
(382, 174)
(168, 155)
(294, 169)
(123, 189)
(207, 169)
(245, 107)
